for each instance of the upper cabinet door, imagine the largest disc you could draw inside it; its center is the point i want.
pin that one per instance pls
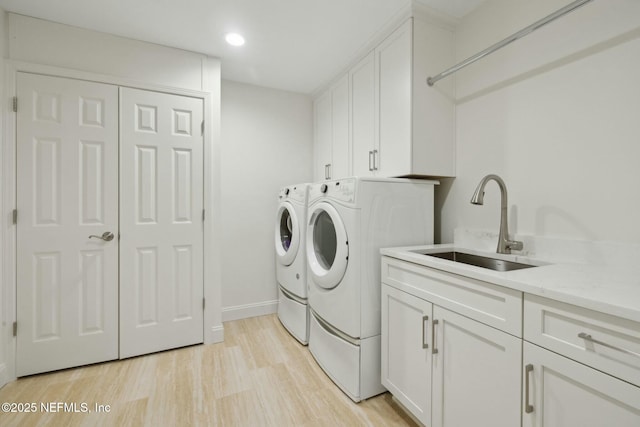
(322, 137)
(362, 91)
(331, 140)
(393, 66)
(340, 129)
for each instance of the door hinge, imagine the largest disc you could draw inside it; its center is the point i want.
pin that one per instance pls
(15, 329)
(202, 128)
(203, 303)
(15, 104)
(203, 211)
(15, 216)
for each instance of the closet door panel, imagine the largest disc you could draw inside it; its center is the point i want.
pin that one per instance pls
(161, 186)
(67, 197)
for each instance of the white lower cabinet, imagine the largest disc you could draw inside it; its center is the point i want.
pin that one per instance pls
(447, 369)
(559, 392)
(581, 367)
(475, 373)
(406, 350)
(454, 355)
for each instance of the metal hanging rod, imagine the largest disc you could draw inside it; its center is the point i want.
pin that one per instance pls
(531, 28)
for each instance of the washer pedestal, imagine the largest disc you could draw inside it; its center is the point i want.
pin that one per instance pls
(353, 365)
(294, 315)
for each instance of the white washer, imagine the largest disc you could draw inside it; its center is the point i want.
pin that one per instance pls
(348, 221)
(291, 266)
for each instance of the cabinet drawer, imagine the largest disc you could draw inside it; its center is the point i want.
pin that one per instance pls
(607, 343)
(490, 304)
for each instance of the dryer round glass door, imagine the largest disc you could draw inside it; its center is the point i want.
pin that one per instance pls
(287, 234)
(327, 246)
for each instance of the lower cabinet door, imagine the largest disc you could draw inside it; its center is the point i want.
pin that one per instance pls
(559, 392)
(406, 351)
(475, 373)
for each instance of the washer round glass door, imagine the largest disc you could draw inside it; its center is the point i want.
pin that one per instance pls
(287, 234)
(327, 246)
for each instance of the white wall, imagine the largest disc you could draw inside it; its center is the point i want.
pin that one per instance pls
(44, 42)
(266, 144)
(557, 115)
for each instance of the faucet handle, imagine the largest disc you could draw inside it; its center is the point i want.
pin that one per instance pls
(515, 245)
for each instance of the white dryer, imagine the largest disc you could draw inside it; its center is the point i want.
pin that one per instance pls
(291, 267)
(348, 221)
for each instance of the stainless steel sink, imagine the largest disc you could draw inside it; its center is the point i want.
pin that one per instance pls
(479, 260)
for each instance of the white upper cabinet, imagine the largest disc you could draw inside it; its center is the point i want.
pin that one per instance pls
(415, 122)
(362, 97)
(331, 139)
(340, 129)
(396, 124)
(432, 107)
(393, 69)
(322, 136)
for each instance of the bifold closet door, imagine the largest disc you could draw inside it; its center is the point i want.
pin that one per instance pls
(67, 192)
(161, 219)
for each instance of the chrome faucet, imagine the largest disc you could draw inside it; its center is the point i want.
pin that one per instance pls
(504, 244)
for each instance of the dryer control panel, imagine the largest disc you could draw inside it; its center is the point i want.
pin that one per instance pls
(343, 190)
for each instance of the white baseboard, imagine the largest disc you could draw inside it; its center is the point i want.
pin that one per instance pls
(214, 335)
(4, 375)
(249, 310)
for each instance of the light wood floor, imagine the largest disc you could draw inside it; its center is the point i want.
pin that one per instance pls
(259, 376)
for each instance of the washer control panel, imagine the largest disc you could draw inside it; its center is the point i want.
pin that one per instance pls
(294, 192)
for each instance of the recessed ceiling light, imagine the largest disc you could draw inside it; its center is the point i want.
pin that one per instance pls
(234, 39)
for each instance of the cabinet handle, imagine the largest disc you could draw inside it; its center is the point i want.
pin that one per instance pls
(434, 350)
(375, 160)
(425, 320)
(371, 160)
(588, 337)
(330, 171)
(528, 408)
(327, 171)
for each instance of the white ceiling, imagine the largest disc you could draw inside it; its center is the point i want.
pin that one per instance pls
(294, 45)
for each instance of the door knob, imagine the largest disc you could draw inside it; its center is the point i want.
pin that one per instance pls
(107, 236)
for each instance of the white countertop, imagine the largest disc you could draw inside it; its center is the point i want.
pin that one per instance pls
(613, 291)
